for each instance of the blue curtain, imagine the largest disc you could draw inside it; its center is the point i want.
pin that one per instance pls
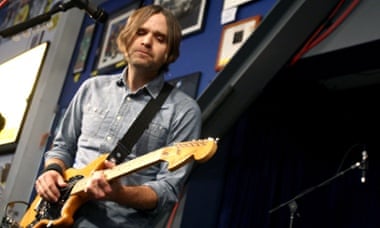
(292, 139)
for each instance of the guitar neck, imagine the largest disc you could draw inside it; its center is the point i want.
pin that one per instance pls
(133, 165)
(123, 169)
(176, 156)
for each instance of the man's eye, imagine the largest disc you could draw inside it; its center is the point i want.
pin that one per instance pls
(161, 38)
(140, 32)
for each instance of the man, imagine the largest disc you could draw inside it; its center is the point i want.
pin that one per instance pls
(102, 111)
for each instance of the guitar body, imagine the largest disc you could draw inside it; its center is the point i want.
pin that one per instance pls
(69, 206)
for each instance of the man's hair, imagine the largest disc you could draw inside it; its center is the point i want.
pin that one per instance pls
(139, 17)
(2, 122)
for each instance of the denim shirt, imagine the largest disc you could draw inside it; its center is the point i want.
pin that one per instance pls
(99, 115)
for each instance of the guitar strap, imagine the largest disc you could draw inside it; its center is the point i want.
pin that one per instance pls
(125, 145)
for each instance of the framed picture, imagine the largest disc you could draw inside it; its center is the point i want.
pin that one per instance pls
(15, 110)
(84, 48)
(190, 13)
(109, 57)
(9, 14)
(188, 83)
(37, 8)
(22, 13)
(233, 37)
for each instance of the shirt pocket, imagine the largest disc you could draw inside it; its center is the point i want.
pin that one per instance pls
(93, 118)
(154, 137)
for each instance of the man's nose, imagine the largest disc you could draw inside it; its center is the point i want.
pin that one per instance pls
(147, 40)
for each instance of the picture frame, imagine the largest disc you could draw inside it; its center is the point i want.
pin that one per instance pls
(233, 37)
(109, 57)
(38, 7)
(8, 18)
(190, 13)
(16, 109)
(84, 48)
(188, 83)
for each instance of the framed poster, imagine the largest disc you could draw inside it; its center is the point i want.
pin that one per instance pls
(233, 37)
(84, 48)
(37, 8)
(109, 57)
(9, 16)
(22, 13)
(15, 109)
(189, 13)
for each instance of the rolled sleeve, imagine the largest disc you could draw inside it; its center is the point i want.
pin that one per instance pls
(185, 127)
(169, 186)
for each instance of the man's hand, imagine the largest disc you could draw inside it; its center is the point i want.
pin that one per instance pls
(48, 185)
(98, 187)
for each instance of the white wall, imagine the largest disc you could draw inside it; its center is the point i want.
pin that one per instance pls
(27, 157)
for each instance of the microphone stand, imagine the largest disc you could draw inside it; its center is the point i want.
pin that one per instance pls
(292, 202)
(36, 20)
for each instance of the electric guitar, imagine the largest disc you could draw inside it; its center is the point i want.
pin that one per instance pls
(42, 213)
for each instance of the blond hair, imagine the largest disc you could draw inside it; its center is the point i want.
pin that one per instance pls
(139, 17)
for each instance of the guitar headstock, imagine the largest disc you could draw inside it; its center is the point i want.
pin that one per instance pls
(180, 153)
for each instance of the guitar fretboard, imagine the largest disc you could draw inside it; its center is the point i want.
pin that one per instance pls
(123, 169)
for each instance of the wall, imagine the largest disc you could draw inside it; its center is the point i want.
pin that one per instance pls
(27, 156)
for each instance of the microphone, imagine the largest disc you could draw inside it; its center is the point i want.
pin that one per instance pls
(93, 11)
(364, 166)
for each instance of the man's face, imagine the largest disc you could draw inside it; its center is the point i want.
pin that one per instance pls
(149, 47)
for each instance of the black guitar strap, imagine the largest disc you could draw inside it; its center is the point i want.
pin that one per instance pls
(125, 145)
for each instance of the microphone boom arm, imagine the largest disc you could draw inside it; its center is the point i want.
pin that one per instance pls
(309, 190)
(36, 20)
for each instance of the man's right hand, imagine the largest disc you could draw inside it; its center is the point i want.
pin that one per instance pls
(48, 185)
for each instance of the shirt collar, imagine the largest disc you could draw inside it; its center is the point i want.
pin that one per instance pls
(153, 87)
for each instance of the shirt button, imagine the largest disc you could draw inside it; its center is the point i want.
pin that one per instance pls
(109, 138)
(128, 98)
(118, 118)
